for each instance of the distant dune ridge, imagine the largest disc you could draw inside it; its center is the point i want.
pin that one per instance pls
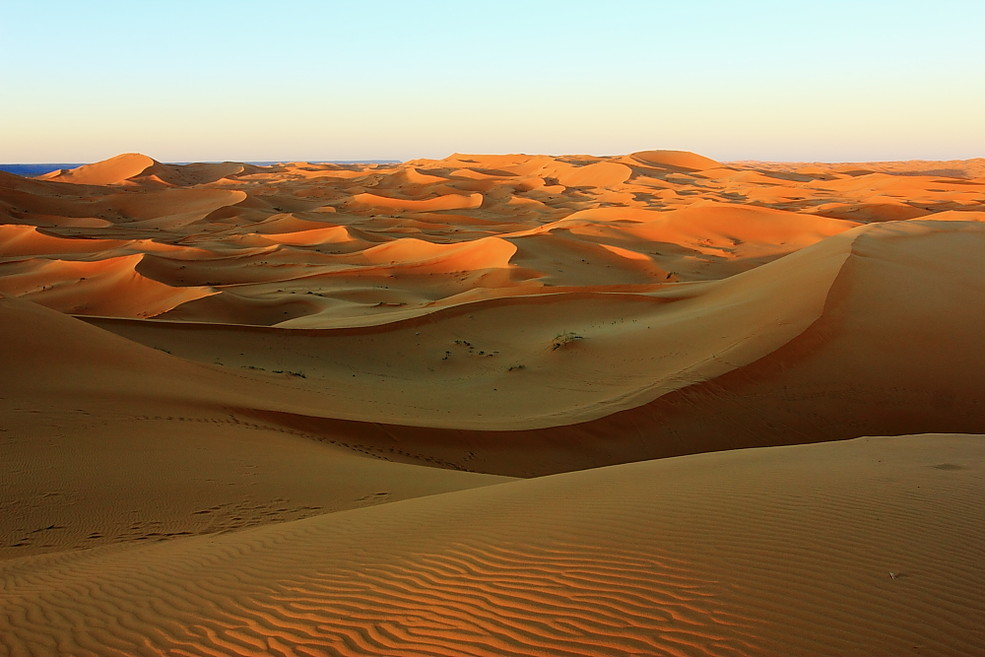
(493, 405)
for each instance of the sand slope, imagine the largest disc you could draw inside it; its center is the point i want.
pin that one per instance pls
(803, 349)
(831, 549)
(108, 441)
(114, 170)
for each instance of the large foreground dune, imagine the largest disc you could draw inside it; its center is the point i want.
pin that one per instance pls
(858, 548)
(493, 405)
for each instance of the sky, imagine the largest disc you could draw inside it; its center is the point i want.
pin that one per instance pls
(247, 80)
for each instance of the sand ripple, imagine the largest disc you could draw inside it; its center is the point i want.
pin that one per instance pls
(781, 557)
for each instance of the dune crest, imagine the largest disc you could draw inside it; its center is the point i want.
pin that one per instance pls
(675, 159)
(107, 172)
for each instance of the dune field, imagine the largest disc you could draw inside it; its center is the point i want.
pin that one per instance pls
(650, 404)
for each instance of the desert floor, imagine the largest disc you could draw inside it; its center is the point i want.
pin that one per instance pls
(650, 404)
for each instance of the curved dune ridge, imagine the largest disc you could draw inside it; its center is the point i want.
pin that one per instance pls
(758, 359)
(133, 168)
(114, 170)
(493, 405)
(444, 202)
(110, 286)
(675, 159)
(19, 240)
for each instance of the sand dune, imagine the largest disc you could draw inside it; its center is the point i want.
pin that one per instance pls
(675, 160)
(136, 168)
(114, 170)
(973, 168)
(103, 287)
(493, 404)
(823, 549)
(160, 437)
(760, 358)
(443, 202)
(20, 240)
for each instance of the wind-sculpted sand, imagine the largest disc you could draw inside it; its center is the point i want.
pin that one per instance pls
(446, 407)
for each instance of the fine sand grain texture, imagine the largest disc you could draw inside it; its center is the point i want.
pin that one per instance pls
(493, 405)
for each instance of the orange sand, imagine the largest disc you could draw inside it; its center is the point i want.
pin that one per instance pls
(467, 407)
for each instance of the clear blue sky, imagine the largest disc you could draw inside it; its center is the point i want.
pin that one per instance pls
(250, 80)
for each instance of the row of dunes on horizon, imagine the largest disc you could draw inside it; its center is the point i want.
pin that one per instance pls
(649, 404)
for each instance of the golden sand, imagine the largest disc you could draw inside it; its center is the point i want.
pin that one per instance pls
(493, 405)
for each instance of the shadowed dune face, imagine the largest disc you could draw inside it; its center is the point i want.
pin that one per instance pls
(239, 361)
